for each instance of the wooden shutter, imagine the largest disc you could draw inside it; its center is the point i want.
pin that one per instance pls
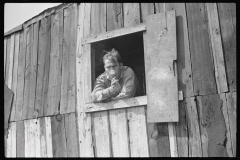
(160, 65)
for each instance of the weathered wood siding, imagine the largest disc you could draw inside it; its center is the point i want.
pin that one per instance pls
(45, 67)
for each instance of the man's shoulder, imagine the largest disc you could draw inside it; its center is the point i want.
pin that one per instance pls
(127, 70)
(102, 76)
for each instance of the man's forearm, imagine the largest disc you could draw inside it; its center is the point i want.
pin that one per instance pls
(101, 95)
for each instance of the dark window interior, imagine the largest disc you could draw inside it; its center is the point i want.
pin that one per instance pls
(131, 51)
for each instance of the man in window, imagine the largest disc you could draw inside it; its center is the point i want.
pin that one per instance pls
(116, 82)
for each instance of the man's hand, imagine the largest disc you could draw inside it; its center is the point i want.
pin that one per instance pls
(115, 86)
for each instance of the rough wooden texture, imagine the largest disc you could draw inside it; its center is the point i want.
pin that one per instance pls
(184, 71)
(195, 148)
(8, 39)
(21, 70)
(114, 16)
(226, 118)
(131, 14)
(98, 18)
(227, 22)
(160, 60)
(11, 60)
(216, 42)
(40, 66)
(201, 58)
(47, 50)
(11, 141)
(8, 99)
(15, 75)
(45, 137)
(58, 136)
(212, 122)
(173, 139)
(20, 142)
(119, 133)
(5, 55)
(160, 7)
(83, 82)
(122, 103)
(232, 116)
(27, 74)
(71, 135)
(182, 131)
(54, 86)
(34, 53)
(146, 9)
(102, 142)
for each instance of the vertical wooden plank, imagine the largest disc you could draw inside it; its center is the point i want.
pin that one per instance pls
(48, 127)
(20, 142)
(173, 140)
(71, 105)
(160, 7)
(55, 65)
(15, 75)
(217, 50)
(42, 53)
(27, 73)
(28, 151)
(47, 50)
(195, 148)
(114, 16)
(58, 136)
(21, 69)
(65, 61)
(71, 135)
(226, 118)
(146, 9)
(184, 71)
(11, 140)
(100, 119)
(45, 137)
(136, 116)
(227, 22)
(117, 118)
(202, 62)
(7, 59)
(34, 52)
(83, 80)
(212, 122)
(182, 131)
(11, 61)
(119, 133)
(5, 55)
(232, 108)
(138, 133)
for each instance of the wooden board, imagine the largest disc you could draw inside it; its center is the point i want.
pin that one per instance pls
(212, 121)
(184, 70)
(232, 116)
(33, 69)
(54, 86)
(8, 99)
(5, 55)
(58, 136)
(217, 49)
(20, 139)
(162, 90)
(65, 61)
(121, 103)
(226, 118)
(15, 76)
(71, 135)
(138, 133)
(182, 131)
(131, 13)
(160, 7)
(7, 59)
(27, 74)
(47, 50)
(11, 141)
(227, 22)
(42, 48)
(173, 140)
(194, 138)
(83, 82)
(114, 16)
(146, 9)
(21, 70)
(11, 61)
(201, 58)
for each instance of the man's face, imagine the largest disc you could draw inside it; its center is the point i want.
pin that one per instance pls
(113, 69)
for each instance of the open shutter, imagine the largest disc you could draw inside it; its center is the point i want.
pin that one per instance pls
(160, 65)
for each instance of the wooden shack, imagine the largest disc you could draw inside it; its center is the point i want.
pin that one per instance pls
(51, 62)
